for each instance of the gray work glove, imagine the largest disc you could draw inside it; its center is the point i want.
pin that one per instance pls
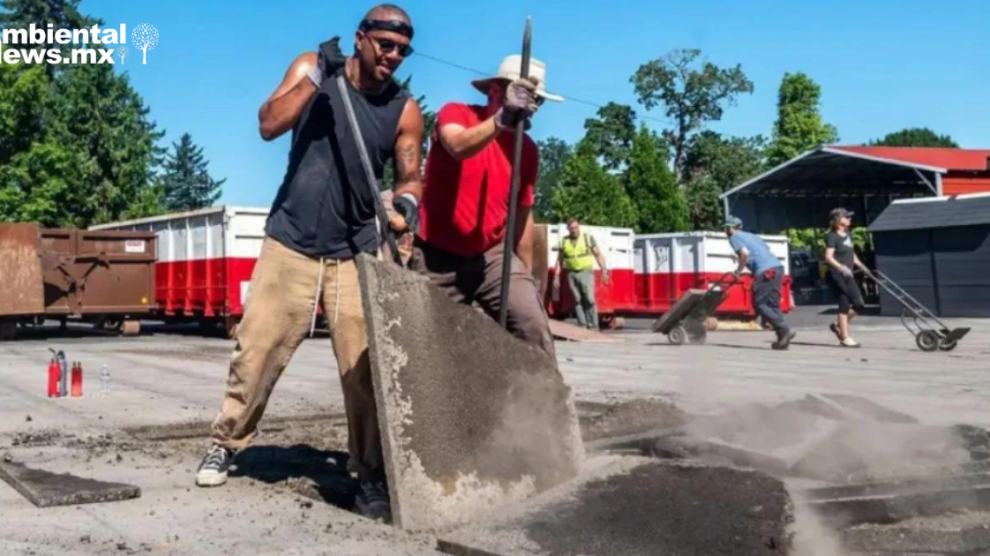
(847, 272)
(408, 207)
(520, 101)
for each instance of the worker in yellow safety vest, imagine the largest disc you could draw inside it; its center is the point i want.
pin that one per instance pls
(578, 253)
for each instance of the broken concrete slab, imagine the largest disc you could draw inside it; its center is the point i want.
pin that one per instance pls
(654, 508)
(740, 456)
(914, 472)
(783, 432)
(967, 533)
(843, 512)
(472, 418)
(627, 418)
(643, 442)
(45, 489)
(906, 486)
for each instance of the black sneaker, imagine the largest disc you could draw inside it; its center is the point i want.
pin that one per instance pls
(213, 471)
(784, 341)
(373, 501)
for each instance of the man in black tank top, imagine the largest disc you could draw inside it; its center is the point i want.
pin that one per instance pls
(322, 217)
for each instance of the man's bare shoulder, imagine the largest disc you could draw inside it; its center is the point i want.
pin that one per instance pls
(308, 60)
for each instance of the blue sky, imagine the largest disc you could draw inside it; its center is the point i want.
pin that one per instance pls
(883, 64)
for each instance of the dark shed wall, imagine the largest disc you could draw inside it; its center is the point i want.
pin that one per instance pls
(906, 258)
(962, 257)
(946, 269)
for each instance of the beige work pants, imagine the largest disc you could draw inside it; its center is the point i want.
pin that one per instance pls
(285, 287)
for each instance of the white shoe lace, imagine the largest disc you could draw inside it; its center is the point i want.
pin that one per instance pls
(216, 457)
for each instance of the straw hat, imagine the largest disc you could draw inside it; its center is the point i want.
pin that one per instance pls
(509, 69)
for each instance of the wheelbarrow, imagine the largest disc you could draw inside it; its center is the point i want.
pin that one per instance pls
(930, 333)
(685, 321)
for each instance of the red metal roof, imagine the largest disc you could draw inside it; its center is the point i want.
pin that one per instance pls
(950, 159)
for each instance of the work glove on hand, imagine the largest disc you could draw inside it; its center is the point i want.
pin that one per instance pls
(847, 272)
(331, 58)
(407, 206)
(520, 101)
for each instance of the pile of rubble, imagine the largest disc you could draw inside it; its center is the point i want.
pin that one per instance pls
(880, 481)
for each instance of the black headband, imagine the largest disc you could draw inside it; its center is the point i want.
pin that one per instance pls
(393, 25)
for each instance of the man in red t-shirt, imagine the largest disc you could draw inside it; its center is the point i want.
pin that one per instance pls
(465, 205)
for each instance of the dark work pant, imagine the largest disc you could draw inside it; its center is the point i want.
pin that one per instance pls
(766, 297)
(582, 285)
(479, 280)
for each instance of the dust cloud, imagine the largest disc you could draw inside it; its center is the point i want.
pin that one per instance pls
(822, 440)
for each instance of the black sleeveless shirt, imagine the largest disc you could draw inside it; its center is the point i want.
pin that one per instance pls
(323, 208)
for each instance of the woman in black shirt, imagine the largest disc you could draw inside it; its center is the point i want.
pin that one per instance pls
(842, 261)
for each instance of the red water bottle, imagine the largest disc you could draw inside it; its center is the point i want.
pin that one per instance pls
(53, 378)
(77, 380)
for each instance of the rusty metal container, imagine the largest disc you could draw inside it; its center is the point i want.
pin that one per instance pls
(98, 272)
(74, 273)
(22, 290)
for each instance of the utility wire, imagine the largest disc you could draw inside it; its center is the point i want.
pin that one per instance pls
(479, 73)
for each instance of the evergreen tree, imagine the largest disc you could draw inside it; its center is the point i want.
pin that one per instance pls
(651, 185)
(730, 161)
(799, 126)
(611, 135)
(707, 212)
(916, 137)
(554, 153)
(77, 146)
(104, 120)
(591, 194)
(62, 14)
(186, 182)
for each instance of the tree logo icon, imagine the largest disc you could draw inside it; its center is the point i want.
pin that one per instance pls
(122, 53)
(145, 37)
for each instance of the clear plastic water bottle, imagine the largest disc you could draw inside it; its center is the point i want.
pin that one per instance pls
(105, 379)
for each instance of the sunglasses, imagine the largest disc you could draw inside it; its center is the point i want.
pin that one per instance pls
(388, 45)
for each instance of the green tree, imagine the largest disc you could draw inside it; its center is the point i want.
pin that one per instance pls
(692, 92)
(24, 101)
(592, 195)
(38, 185)
(186, 182)
(915, 137)
(554, 153)
(38, 172)
(150, 202)
(799, 126)
(100, 117)
(705, 205)
(77, 146)
(611, 135)
(651, 185)
(64, 14)
(728, 161)
(61, 14)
